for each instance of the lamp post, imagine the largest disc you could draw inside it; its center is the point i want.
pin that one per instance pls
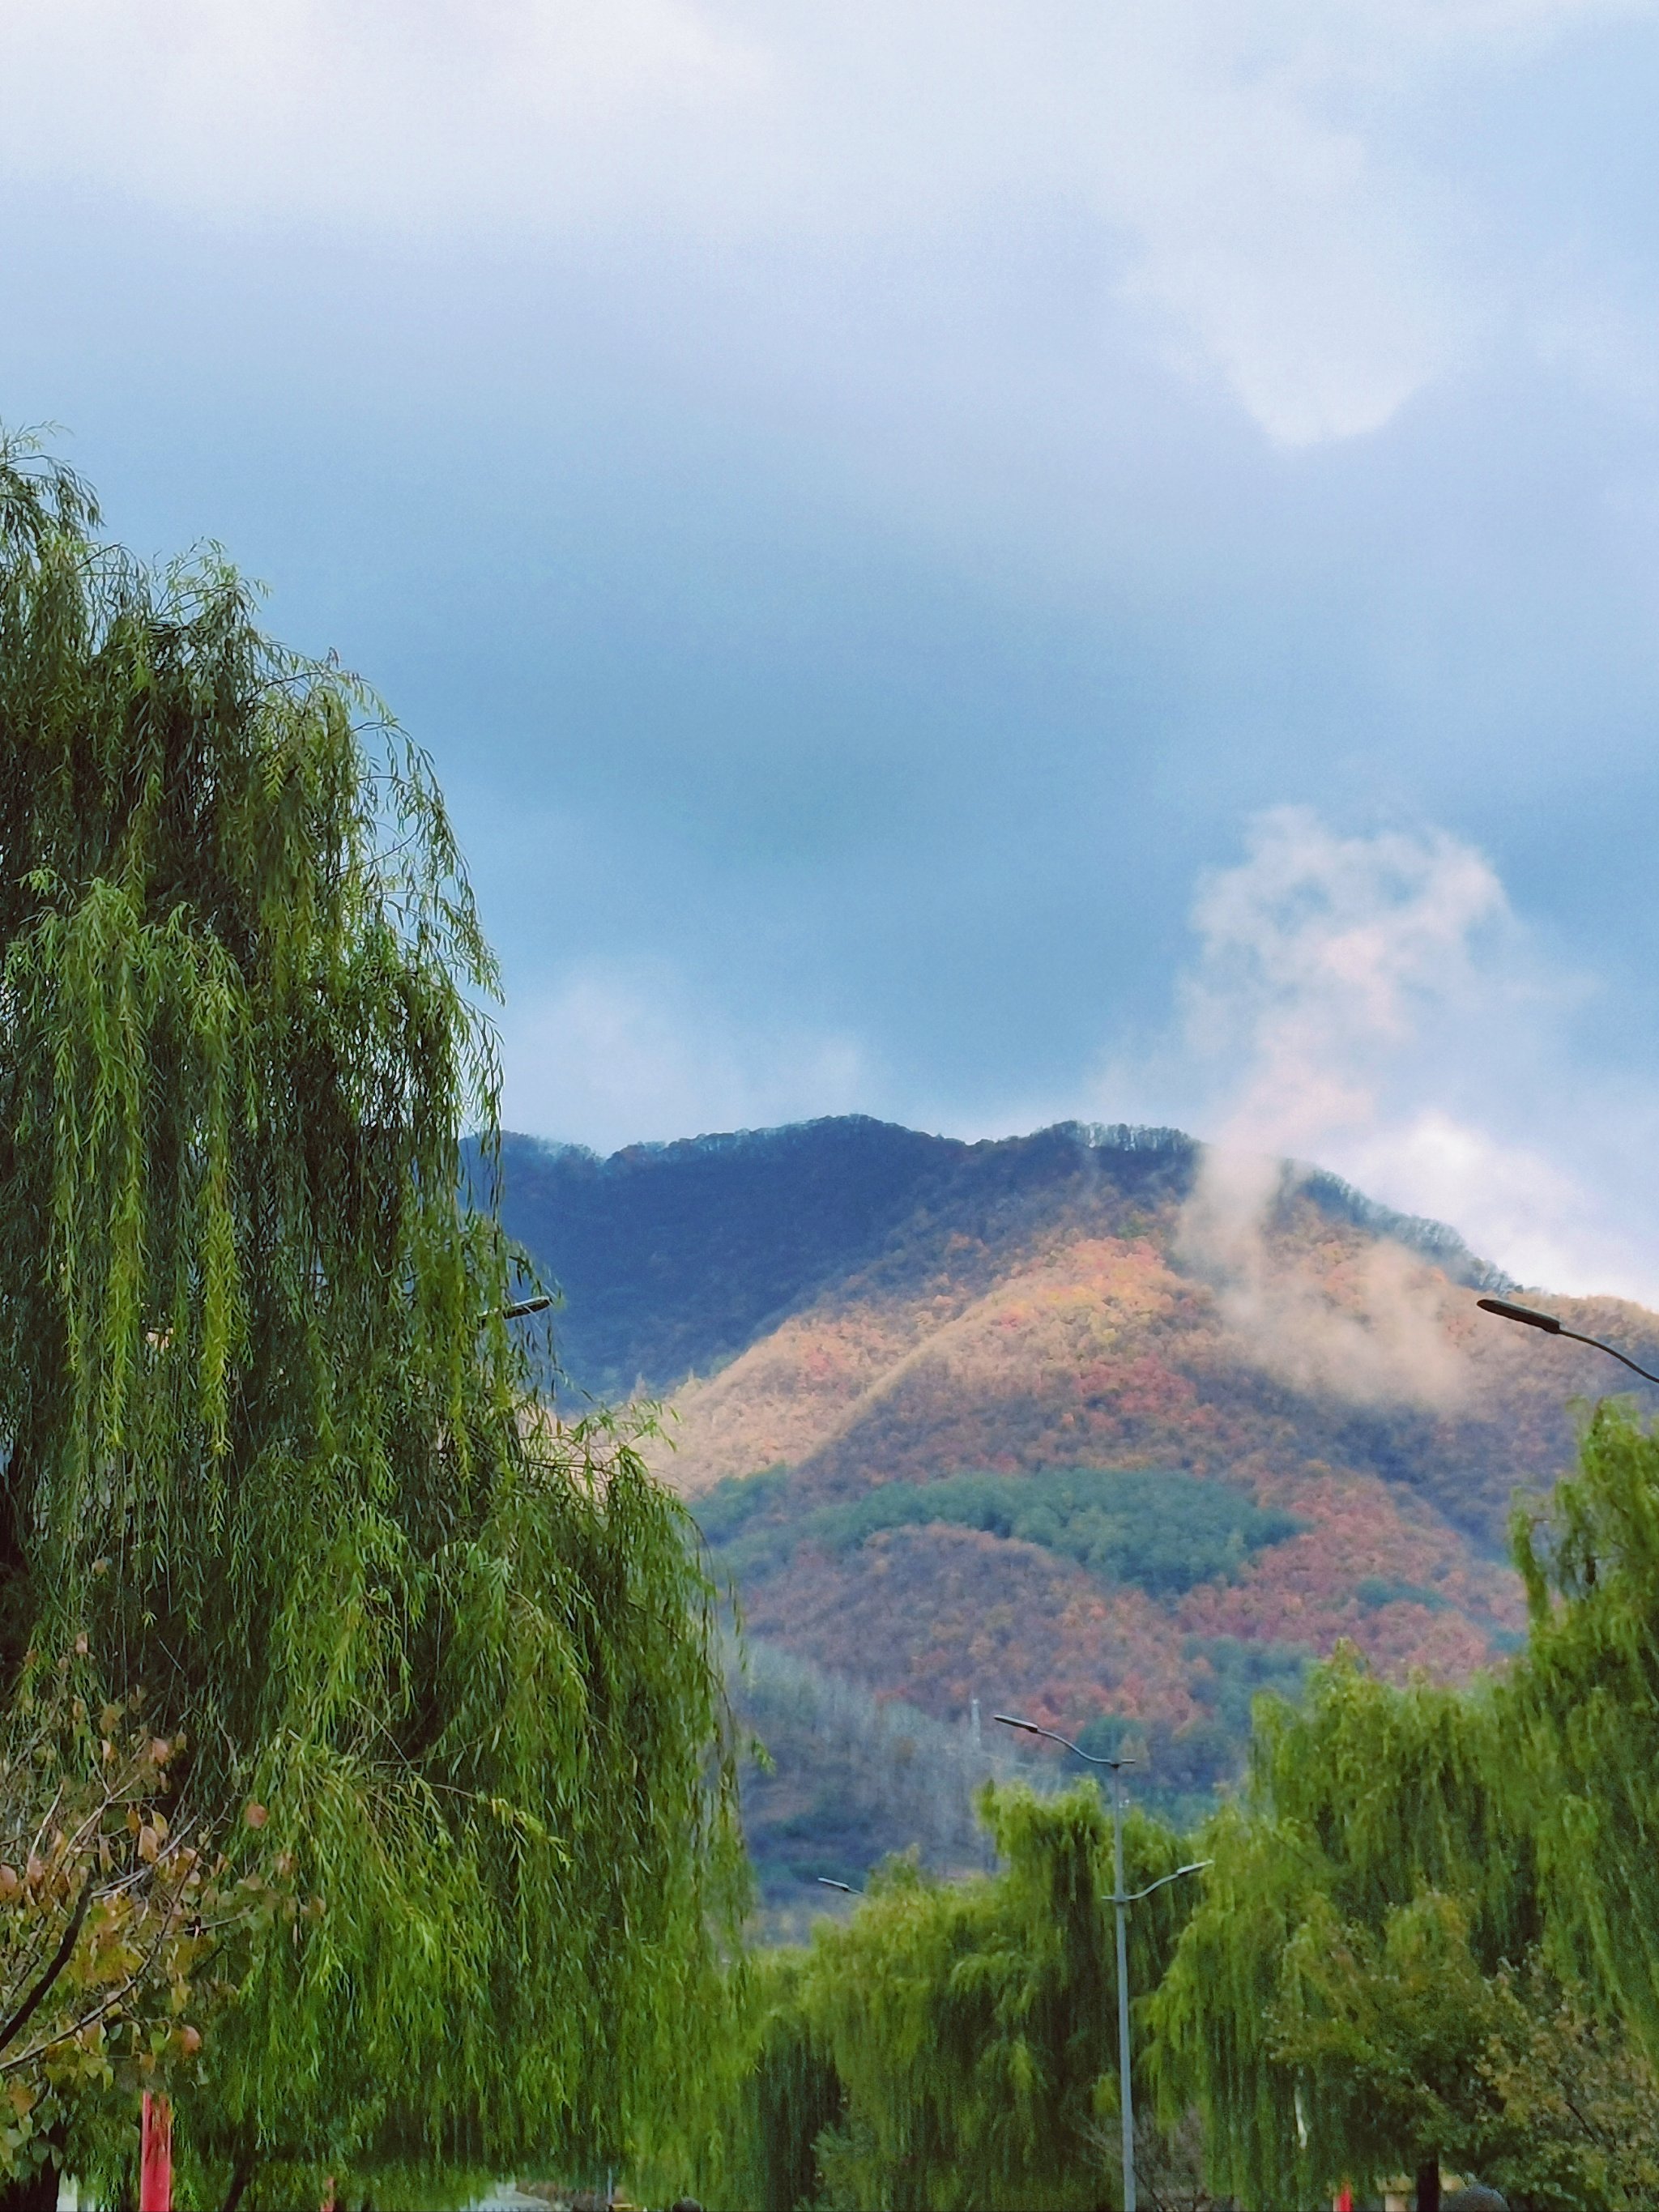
(846, 1887)
(516, 1312)
(1529, 1318)
(1121, 1900)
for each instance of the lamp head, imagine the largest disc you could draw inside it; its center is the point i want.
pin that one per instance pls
(1529, 1316)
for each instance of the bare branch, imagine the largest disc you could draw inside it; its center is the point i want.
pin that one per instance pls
(60, 1959)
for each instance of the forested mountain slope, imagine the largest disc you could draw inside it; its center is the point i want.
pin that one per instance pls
(1012, 1420)
(673, 1258)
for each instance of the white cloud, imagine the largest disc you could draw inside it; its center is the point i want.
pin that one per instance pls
(1323, 956)
(618, 1055)
(1370, 1003)
(1275, 244)
(501, 113)
(1548, 1226)
(1248, 161)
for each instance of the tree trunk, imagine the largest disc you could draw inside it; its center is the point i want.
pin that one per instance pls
(1428, 2185)
(242, 2174)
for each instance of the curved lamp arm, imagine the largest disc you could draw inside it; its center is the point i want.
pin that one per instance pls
(1197, 1866)
(1030, 1728)
(1529, 1318)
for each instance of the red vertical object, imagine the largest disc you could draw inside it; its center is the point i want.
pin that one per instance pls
(155, 2155)
(1345, 2199)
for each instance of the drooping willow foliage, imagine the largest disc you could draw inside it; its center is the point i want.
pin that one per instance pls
(1380, 1832)
(955, 2044)
(1584, 1713)
(1438, 1916)
(271, 1452)
(752, 2140)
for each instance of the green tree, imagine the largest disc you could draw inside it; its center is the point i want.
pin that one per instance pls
(771, 2097)
(273, 1453)
(1321, 2006)
(1576, 2101)
(1585, 1713)
(954, 2044)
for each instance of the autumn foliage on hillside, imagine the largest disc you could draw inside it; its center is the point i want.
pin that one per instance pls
(940, 1311)
(1067, 1326)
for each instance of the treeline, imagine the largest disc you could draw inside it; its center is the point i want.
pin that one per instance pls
(1428, 1939)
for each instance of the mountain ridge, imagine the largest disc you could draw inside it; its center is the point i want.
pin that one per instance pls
(559, 1190)
(889, 1355)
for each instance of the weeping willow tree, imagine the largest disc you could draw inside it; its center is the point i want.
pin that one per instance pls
(751, 2142)
(1434, 1930)
(272, 1454)
(954, 2044)
(1584, 1701)
(1329, 1999)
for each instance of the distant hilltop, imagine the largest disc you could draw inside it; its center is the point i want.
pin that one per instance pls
(1080, 1419)
(674, 1258)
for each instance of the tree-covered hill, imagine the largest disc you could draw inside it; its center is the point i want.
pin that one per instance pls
(989, 1421)
(675, 1258)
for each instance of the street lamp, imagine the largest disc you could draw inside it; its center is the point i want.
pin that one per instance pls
(526, 1306)
(1529, 1318)
(846, 1887)
(1121, 1900)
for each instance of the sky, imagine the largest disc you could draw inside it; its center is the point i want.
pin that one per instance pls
(975, 563)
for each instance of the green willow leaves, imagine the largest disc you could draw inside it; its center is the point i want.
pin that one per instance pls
(272, 1452)
(954, 2044)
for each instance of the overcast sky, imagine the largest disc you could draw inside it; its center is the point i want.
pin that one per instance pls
(974, 563)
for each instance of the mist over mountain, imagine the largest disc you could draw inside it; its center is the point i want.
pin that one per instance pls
(673, 1258)
(1095, 1422)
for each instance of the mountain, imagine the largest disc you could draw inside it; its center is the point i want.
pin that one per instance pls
(675, 1258)
(1066, 1421)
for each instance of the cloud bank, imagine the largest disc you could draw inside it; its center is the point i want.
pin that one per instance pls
(912, 481)
(1257, 190)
